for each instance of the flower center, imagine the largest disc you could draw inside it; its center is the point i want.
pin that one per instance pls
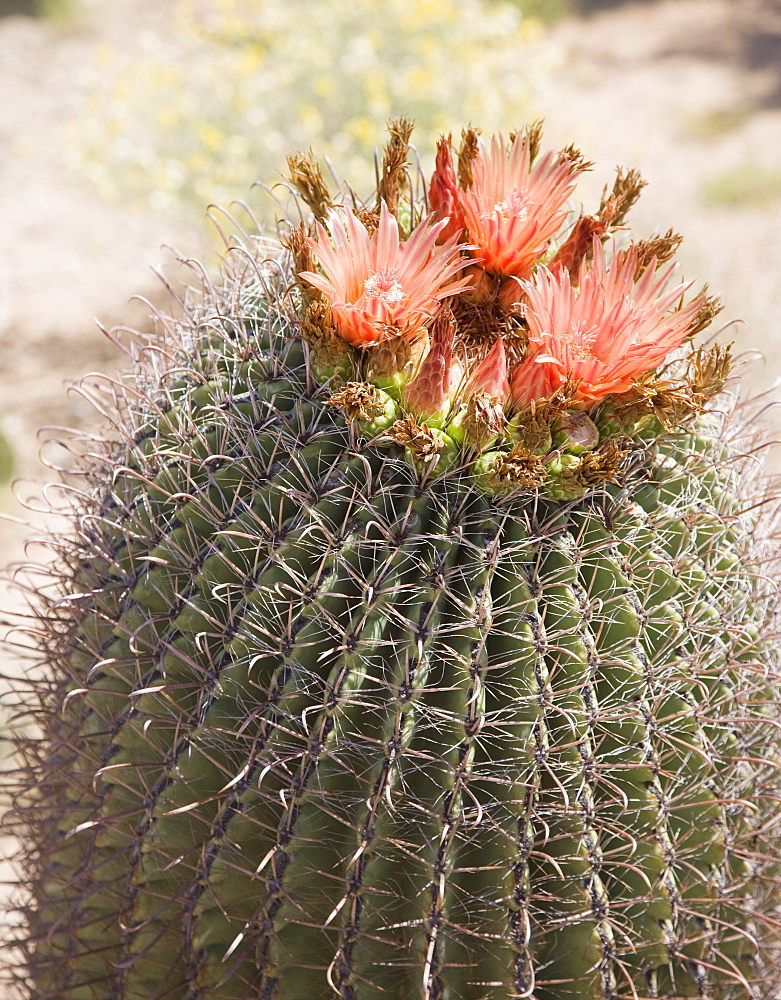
(384, 285)
(581, 344)
(514, 207)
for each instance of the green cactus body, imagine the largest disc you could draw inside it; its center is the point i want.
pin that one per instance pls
(329, 717)
(332, 732)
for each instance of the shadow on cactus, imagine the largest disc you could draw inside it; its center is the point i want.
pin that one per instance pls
(417, 638)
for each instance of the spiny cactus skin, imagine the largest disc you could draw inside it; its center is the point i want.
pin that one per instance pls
(318, 725)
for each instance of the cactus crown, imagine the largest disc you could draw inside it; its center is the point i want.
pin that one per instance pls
(477, 325)
(416, 639)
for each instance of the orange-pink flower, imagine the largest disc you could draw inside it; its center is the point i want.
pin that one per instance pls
(444, 194)
(490, 375)
(603, 334)
(512, 208)
(435, 384)
(378, 286)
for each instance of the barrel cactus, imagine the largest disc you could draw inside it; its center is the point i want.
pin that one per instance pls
(416, 638)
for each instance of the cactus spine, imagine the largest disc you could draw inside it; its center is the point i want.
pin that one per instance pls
(371, 681)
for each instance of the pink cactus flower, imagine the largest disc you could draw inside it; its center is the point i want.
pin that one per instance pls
(490, 375)
(444, 194)
(378, 286)
(532, 381)
(440, 373)
(603, 334)
(512, 208)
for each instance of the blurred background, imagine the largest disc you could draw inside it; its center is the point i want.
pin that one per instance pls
(122, 120)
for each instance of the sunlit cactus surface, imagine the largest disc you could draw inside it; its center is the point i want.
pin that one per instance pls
(417, 637)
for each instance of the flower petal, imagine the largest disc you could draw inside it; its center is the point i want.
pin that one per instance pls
(378, 286)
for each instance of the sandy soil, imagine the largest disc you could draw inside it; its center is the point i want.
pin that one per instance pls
(682, 89)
